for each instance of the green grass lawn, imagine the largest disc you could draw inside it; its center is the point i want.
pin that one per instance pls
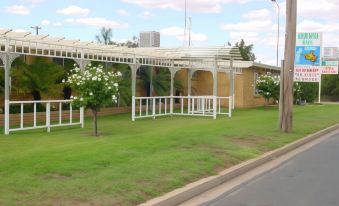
(132, 162)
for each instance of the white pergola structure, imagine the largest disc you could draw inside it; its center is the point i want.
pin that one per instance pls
(213, 59)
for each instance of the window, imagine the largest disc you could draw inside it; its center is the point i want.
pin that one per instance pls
(255, 90)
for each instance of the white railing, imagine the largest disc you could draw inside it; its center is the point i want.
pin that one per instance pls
(145, 107)
(48, 122)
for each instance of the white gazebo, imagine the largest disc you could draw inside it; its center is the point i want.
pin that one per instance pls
(213, 59)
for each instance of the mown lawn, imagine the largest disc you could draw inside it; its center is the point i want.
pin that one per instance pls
(132, 162)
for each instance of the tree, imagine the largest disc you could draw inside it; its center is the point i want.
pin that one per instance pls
(96, 88)
(268, 86)
(246, 51)
(40, 77)
(105, 36)
(161, 80)
(330, 86)
(130, 44)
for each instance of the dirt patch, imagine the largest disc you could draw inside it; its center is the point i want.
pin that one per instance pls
(72, 203)
(56, 177)
(251, 142)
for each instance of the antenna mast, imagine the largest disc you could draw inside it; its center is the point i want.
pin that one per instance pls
(185, 22)
(189, 31)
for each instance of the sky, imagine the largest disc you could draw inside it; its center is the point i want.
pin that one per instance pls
(214, 22)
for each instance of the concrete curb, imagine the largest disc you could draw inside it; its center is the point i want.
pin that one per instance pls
(193, 189)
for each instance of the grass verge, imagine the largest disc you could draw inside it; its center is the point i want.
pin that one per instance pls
(132, 162)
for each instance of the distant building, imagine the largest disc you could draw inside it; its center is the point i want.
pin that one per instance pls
(149, 39)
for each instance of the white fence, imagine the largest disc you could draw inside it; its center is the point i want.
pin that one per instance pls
(145, 107)
(48, 123)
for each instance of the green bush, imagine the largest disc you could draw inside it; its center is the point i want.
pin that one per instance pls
(309, 91)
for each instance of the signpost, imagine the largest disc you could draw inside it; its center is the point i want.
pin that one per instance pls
(308, 60)
(329, 67)
(331, 53)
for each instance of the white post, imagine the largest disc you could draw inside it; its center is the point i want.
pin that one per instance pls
(134, 68)
(60, 113)
(82, 117)
(172, 90)
(189, 88)
(232, 78)
(153, 107)
(229, 108)
(22, 116)
(319, 93)
(215, 92)
(48, 116)
(70, 113)
(34, 124)
(133, 108)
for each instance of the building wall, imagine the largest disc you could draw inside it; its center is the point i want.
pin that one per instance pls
(202, 84)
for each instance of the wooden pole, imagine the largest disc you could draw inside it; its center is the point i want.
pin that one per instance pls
(286, 103)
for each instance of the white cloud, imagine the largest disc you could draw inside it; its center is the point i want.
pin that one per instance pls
(18, 10)
(57, 24)
(74, 11)
(249, 37)
(179, 34)
(319, 9)
(98, 22)
(45, 22)
(122, 12)
(33, 2)
(204, 6)
(308, 25)
(146, 14)
(252, 26)
(257, 14)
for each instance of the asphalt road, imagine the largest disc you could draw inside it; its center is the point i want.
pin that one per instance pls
(311, 178)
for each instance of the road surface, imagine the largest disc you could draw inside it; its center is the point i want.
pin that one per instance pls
(311, 178)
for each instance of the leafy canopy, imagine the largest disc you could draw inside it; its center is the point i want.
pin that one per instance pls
(246, 51)
(95, 87)
(268, 86)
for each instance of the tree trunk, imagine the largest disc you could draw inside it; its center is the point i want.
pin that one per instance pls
(95, 122)
(36, 95)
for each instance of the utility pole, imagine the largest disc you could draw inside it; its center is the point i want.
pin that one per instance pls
(37, 28)
(286, 96)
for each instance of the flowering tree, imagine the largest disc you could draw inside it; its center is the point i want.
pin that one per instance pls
(94, 88)
(268, 86)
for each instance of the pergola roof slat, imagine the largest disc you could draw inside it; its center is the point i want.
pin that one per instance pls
(186, 57)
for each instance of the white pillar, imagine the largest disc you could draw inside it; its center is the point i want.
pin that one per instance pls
(7, 75)
(7, 59)
(134, 68)
(189, 88)
(215, 92)
(173, 72)
(232, 79)
(82, 63)
(189, 82)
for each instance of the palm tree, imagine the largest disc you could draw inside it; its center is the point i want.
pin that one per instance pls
(161, 80)
(40, 77)
(246, 51)
(105, 36)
